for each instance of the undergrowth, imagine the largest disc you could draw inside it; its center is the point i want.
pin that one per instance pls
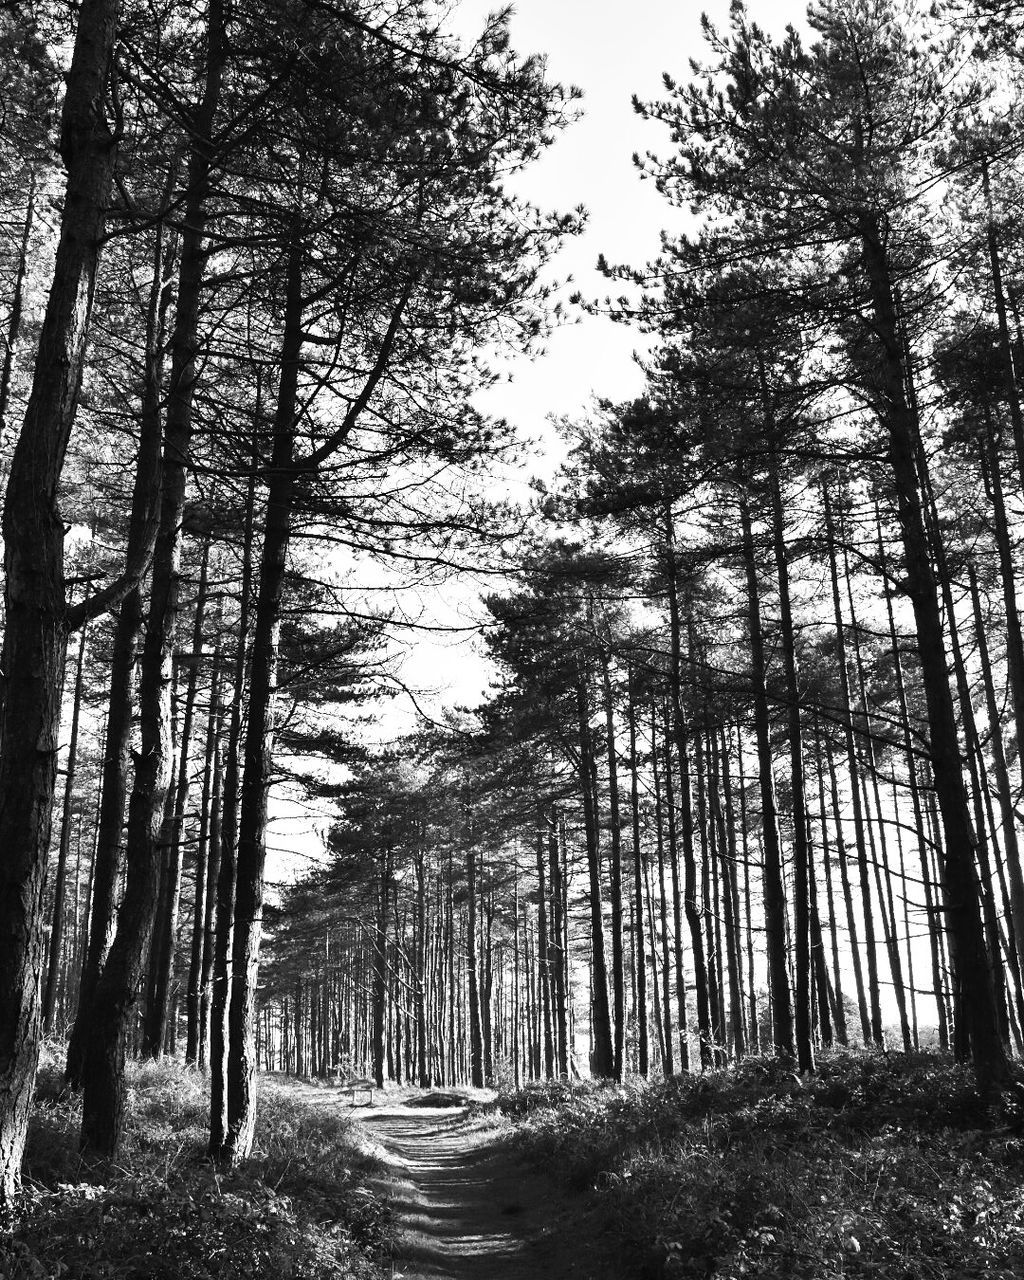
(891, 1167)
(300, 1207)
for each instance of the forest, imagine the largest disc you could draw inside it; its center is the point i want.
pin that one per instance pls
(723, 870)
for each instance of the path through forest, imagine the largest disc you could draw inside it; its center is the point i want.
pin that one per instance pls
(467, 1209)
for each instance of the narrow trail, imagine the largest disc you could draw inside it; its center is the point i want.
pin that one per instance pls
(466, 1208)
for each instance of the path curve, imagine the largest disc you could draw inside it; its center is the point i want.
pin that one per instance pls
(466, 1208)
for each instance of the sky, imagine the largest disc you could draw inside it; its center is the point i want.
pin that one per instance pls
(589, 44)
(610, 50)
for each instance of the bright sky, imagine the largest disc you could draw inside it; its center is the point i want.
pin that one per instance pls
(610, 51)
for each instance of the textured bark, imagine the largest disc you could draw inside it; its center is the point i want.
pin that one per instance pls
(874, 1031)
(640, 959)
(556, 949)
(694, 920)
(603, 1064)
(664, 1021)
(801, 841)
(774, 893)
(205, 874)
(615, 868)
(259, 734)
(36, 620)
(166, 932)
(60, 878)
(966, 934)
(13, 335)
(543, 954)
(682, 1029)
(142, 523)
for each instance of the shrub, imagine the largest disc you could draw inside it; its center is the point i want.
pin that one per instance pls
(300, 1207)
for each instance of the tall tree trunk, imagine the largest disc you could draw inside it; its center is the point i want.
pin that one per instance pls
(256, 777)
(615, 866)
(60, 878)
(801, 851)
(690, 890)
(556, 948)
(959, 868)
(204, 870)
(114, 780)
(665, 1021)
(859, 832)
(117, 990)
(603, 1065)
(226, 847)
(774, 893)
(172, 839)
(36, 615)
(543, 959)
(640, 961)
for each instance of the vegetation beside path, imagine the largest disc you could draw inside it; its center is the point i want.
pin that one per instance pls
(881, 1166)
(301, 1207)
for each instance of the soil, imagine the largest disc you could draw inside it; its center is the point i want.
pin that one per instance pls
(466, 1207)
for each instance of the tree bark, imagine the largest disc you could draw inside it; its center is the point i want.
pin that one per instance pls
(59, 880)
(35, 630)
(959, 868)
(774, 893)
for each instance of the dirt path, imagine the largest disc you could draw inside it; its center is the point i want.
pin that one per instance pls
(466, 1208)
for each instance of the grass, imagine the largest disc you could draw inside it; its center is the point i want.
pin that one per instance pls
(300, 1207)
(882, 1166)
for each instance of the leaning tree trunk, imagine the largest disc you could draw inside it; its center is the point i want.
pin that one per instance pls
(963, 908)
(36, 621)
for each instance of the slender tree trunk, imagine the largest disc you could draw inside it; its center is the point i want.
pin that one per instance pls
(640, 961)
(690, 890)
(251, 852)
(801, 851)
(859, 833)
(959, 869)
(204, 871)
(665, 1021)
(60, 878)
(603, 1065)
(166, 932)
(615, 870)
(774, 894)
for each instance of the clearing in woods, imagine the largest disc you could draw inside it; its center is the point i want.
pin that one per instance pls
(466, 1207)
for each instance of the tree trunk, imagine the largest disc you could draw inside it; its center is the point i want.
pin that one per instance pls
(603, 1065)
(35, 631)
(959, 868)
(172, 839)
(205, 871)
(251, 855)
(860, 838)
(59, 882)
(774, 893)
(640, 960)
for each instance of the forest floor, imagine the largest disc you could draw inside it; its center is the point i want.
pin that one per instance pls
(466, 1205)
